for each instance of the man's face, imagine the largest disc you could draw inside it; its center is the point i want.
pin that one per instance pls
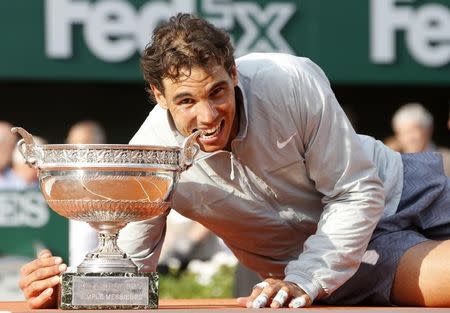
(412, 136)
(201, 100)
(7, 143)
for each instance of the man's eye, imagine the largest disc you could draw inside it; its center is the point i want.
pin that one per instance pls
(217, 91)
(185, 101)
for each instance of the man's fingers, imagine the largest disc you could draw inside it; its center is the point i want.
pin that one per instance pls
(37, 287)
(255, 292)
(276, 293)
(300, 302)
(48, 269)
(263, 298)
(44, 300)
(39, 263)
(242, 301)
(280, 298)
(39, 279)
(45, 253)
(260, 301)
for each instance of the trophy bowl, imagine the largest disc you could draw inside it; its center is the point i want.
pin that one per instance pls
(107, 186)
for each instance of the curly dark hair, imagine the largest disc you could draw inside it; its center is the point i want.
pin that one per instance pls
(184, 42)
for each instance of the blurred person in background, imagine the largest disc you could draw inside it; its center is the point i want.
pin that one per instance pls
(413, 131)
(23, 175)
(7, 143)
(86, 132)
(82, 237)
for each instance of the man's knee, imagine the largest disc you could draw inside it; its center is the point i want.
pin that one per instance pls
(423, 276)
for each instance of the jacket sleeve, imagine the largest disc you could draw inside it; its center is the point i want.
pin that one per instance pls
(352, 193)
(143, 240)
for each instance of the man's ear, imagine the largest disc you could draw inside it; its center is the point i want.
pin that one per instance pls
(234, 75)
(159, 97)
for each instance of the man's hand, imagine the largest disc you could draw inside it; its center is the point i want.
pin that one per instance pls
(39, 280)
(276, 293)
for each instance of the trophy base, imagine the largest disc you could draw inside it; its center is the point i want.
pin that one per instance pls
(108, 290)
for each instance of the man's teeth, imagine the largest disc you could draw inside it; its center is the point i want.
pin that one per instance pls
(210, 132)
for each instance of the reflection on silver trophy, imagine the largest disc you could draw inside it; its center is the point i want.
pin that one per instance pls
(108, 186)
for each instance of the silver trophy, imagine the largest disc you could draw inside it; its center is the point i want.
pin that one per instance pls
(108, 186)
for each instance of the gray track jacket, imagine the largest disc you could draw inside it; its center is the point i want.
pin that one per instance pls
(300, 193)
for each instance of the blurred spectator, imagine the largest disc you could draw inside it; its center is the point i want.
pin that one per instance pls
(86, 132)
(82, 237)
(7, 143)
(413, 130)
(24, 176)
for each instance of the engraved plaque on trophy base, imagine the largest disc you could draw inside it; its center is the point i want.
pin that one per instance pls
(113, 290)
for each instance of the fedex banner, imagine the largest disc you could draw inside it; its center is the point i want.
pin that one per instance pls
(355, 41)
(115, 30)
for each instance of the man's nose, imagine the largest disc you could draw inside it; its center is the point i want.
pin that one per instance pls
(206, 112)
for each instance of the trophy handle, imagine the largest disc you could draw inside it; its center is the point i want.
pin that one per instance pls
(189, 150)
(26, 146)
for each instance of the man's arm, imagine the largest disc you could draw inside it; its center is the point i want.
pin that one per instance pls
(143, 240)
(344, 174)
(352, 192)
